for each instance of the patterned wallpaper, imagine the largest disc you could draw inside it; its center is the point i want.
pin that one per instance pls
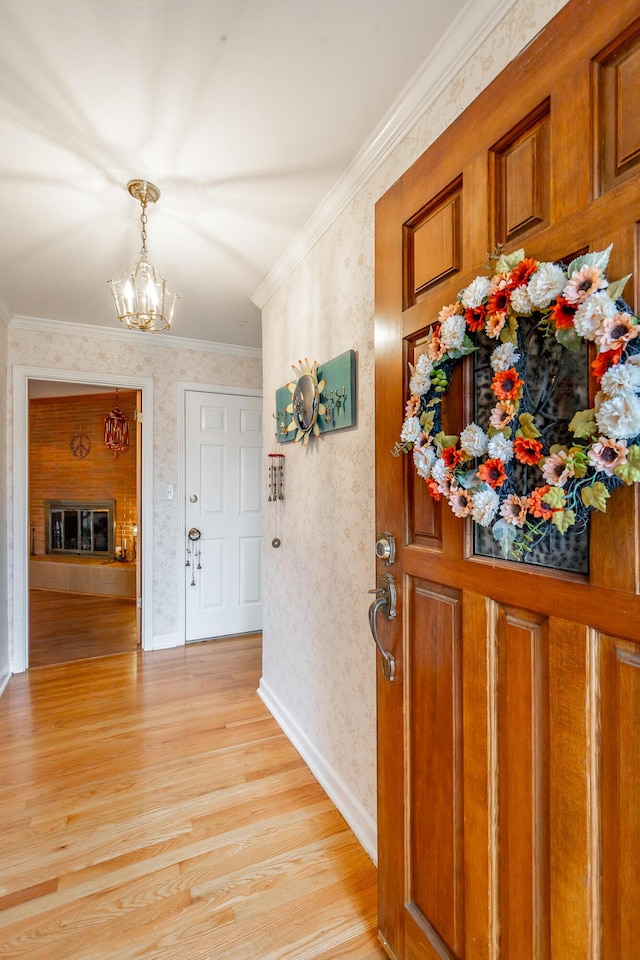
(318, 659)
(167, 366)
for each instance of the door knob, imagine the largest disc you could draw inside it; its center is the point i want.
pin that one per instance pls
(385, 602)
(194, 534)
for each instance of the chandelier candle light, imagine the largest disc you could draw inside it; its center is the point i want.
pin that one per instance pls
(141, 296)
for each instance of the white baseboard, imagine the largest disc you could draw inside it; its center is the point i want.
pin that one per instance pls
(349, 806)
(165, 642)
(5, 676)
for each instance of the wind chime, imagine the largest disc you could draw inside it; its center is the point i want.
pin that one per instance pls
(116, 430)
(276, 476)
(193, 550)
(276, 487)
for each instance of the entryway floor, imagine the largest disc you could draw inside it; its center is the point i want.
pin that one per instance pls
(73, 626)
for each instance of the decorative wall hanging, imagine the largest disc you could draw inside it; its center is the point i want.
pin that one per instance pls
(321, 399)
(519, 474)
(116, 430)
(80, 445)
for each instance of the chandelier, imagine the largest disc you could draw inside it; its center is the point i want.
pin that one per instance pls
(141, 296)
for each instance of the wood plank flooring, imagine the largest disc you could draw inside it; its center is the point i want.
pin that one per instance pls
(151, 809)
(77, 626)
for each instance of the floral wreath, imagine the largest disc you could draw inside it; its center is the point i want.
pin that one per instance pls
(478, 473)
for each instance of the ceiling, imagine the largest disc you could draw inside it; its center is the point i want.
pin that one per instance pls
(245, 113)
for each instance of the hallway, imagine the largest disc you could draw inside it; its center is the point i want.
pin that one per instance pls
(153, 809)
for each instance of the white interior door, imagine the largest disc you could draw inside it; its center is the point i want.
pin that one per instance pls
(223, 493)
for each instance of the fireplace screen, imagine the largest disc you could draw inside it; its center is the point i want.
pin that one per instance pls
(81, 529)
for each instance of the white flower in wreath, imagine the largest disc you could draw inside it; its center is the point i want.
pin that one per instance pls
(618, 417)
(591, 313)
(411, 430)
(622, 376)
(501, 448)
(475, 293)
(424, 364)
(473, 440)
(452, 332)
(521, 301)
(419, 383)
(440, 473)
(504, 357)
(546, 284)
(484, 506)
(423, 459)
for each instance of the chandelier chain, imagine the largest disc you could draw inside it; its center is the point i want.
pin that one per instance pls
(143, 231)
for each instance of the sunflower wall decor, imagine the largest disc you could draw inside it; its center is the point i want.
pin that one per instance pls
(319, 400)
(511, 473)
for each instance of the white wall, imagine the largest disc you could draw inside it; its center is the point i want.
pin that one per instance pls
(139, 355)
(319, 663)
(4, 616)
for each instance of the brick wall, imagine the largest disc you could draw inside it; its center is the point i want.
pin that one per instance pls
(56, 474)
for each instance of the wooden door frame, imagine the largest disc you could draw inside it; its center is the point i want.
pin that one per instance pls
(19, 638)
(185, 387)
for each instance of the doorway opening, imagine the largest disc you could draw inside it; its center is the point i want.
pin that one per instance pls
(84, 508)
(80, 601)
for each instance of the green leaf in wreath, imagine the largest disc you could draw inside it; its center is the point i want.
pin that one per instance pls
(563, 519)
(598, 259)
(528, 429)
(507, 261)
(557, 448)
(629, 472)
(568, 337)
(555, 498)
(462, 351)
(596, 497)
(583, 424)
(442, 442)
(509, 333)
(616, 287)
(426, 420)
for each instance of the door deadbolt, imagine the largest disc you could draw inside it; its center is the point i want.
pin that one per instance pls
(386, 548)
(193, 498)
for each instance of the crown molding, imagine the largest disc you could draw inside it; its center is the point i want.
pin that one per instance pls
(40, 325)
(476, 21)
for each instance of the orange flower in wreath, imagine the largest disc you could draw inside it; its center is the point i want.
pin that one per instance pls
(492, 472)
(506, 384)
(452, 457)
(563, 313)
(475, 317)
(527, 451)
(536, 507)
(525, 269)
(434, 490)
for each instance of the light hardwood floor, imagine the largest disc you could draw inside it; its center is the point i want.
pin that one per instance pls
(77, 626)
(151, 808)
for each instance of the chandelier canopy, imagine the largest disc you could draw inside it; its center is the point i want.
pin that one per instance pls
(141, 296)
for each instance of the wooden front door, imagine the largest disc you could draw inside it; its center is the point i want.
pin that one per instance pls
(509, 765)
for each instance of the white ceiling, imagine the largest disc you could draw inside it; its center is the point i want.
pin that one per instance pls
(245, 113)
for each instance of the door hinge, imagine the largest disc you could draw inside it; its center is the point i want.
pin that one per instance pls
(137, 416)
(139, 603)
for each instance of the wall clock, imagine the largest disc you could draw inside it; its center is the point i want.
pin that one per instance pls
(80, 445)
